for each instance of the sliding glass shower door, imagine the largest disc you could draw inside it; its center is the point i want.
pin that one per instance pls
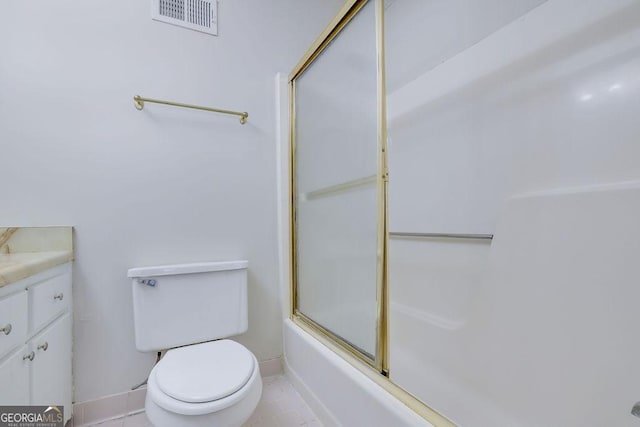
(338, 183)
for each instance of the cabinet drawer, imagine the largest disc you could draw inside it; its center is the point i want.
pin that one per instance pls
(13, 321)
(48, 299)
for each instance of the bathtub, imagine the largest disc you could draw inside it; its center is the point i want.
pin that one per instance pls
(338, 393)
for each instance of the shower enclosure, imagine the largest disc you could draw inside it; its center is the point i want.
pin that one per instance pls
(464, 224)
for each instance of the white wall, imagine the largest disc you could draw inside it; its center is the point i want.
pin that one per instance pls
(160, 186)
(531, 134)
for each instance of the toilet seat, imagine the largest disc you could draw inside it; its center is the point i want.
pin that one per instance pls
(204, 372)
(162, 388)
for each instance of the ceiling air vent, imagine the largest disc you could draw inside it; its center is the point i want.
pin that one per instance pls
(199, 15)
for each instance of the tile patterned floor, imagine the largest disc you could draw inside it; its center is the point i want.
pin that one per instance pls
(280, 406)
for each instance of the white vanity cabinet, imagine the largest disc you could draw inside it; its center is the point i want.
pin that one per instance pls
(35, 340)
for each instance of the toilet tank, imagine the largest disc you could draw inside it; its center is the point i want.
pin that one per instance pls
(175, 305)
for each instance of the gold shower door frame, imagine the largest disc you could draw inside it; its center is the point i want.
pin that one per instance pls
(348, 11)
(376, 368)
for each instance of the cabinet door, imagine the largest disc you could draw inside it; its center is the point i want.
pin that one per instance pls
(14, 378)
(51, 368)
(13, 322)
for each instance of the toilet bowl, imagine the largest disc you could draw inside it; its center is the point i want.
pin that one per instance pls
(210, 384)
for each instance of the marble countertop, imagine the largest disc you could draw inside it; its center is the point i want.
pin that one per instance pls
(25, 251)
(14, 267)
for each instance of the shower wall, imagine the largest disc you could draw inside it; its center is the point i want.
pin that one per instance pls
(523, 124)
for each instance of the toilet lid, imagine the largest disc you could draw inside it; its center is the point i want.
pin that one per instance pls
(205, 372)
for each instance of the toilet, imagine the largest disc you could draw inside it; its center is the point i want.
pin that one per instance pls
(189, 309)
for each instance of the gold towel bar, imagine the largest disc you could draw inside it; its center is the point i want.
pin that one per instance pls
(139, 103)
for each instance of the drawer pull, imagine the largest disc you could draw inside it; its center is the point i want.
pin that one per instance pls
(59, 296)
(7, 329)
(29, 356)
(44, 346)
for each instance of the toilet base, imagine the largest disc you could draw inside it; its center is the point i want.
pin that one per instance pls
(232, 416)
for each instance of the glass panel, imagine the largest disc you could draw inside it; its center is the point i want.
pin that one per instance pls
(336, 196)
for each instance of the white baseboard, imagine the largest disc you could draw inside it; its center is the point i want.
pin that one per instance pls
(271, 367)
(131, 402)
(109, 407)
